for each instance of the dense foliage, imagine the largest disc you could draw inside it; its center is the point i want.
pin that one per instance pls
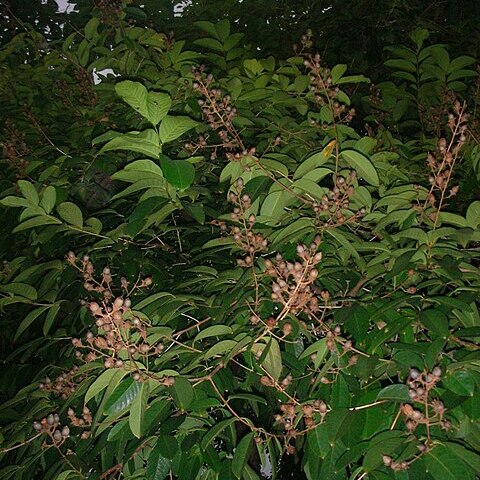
(225, 264)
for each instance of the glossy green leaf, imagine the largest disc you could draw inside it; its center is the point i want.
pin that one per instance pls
(396, 393)
(158, 467)
(29, 191)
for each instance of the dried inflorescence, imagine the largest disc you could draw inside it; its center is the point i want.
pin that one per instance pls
(442, 162)
(291, 413)
(51, 426)
(324, 92)
(293, 282)
(425, 410)
(15, 149)
(249, 242)
(82, 421)
(336, 202)
(219, 114)
(422, 411)
(65, 384)
(121, 335)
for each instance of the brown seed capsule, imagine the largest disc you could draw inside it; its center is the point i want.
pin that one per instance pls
(169, 381)
(287, 329)
(265, 381)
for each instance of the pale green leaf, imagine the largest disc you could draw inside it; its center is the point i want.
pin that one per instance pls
(49, 197)
(362, 165)
(28, 191)
(172, 128)
(69, 212)
(137, 410)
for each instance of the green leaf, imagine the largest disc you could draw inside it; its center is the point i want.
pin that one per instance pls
(122, 396)
(11, 201)
(23, 289)
(220, 347)
(472, 459)
(173, 127)
(397, 393)
(153, 106)
(178, 173)
(197, 212)
(182, 392)
(28, 320)
(215, 431)
(316, 160)
(249, 474)
(274, 204)
(67, 474)
(71, 214)
(443, 464)
(362, 165)
(337, 72)
(167, 446)
(384, 443)
(110, 377)
(50, 318)
(257, 186)
(39, 221)
(49, 197)
(240, 456)
(354, 79)
(28, 191)
(460, 382)
(473, 215)
(213, 331)
(158, 467)
(137, 410)
(145, 142)
(273, 360)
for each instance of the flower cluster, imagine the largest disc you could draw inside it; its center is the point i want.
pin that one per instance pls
(121, 335)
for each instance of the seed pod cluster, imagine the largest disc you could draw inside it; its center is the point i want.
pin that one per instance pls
(292, 282)
(335, 204)
(65, 384)
(218, 111)
(249, 242)
(442, 161)
(52, 428)
(424, 409)
(325, 93)
(82, 421)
